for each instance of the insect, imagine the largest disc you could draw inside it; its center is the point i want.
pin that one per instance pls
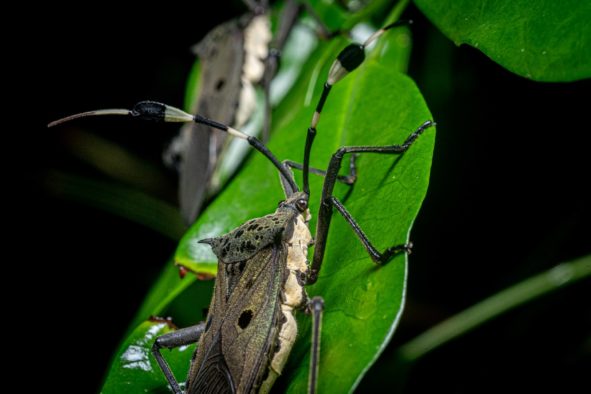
(234, 57)
(262, 265)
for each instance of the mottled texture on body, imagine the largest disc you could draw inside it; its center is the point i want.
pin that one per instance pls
(250, 328)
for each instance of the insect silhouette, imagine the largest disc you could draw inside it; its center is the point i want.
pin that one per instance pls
(262, 265)
(234, 57)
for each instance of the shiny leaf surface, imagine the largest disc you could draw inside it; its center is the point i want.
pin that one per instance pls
(542, 40)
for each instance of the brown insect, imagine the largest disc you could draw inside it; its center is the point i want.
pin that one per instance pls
(262, 265)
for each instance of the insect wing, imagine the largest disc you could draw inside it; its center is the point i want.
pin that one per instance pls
(221, 55)
(242, 340)
(214, 375)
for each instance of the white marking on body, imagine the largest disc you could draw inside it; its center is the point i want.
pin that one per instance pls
(247, 104)
(257, 36)
(254, 68)
(294, 293)
(297, 253)
(287, 337)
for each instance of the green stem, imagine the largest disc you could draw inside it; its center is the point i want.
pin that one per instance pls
(397, 11)
(115, 161)
(130, 204)
(546, 282)
(373, 9)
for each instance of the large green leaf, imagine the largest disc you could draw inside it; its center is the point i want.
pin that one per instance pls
(544, 40)
(168, 287)
(134, 369)
(376, 105)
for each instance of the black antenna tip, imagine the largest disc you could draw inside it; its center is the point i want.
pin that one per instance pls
(401, 22)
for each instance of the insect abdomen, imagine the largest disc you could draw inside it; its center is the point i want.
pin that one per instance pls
(293, 297)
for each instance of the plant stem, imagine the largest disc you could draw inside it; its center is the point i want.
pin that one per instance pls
(121, 201)
(536, 286)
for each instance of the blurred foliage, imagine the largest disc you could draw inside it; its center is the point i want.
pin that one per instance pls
(506, 198)
(543, 40)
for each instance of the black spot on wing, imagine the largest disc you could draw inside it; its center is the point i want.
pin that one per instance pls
(220, 84)
(245, 318)
(233, 273)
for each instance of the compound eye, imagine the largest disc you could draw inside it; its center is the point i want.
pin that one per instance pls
(302, 204)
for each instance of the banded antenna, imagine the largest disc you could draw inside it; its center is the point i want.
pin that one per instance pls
(155, 111)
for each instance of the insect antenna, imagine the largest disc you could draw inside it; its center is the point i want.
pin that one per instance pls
(155, 111)
(98, 112)
(347, 60)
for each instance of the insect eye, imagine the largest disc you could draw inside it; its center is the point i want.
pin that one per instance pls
(302, 204)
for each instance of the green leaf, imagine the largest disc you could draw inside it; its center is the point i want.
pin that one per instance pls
(118, 200)
(544, 40)
(376, 105)
(134, 366)
(168, 287)
(337, 18)
(193, 86)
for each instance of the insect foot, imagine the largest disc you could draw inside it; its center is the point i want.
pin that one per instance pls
(391, 252)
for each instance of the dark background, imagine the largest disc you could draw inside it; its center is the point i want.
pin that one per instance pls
(508, 199)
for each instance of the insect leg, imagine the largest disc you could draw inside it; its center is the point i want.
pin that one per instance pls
(323, 31)
(348, 179)
(288, 165)
(316, 308)
(288, 18)
(328, 201)
(184, 336)
(373, 252)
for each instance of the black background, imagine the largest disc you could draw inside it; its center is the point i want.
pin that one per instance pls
(508, 199)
